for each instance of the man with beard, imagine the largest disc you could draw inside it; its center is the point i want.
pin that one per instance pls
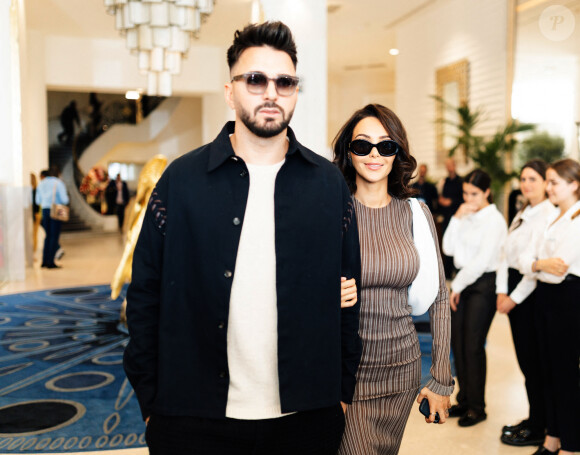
(239, 344)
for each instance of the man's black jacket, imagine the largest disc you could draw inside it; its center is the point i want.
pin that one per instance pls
(183, 268)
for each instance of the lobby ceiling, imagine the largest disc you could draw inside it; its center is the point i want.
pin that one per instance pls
(360, 32)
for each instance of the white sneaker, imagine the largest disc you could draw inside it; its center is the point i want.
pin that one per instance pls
(59, 254)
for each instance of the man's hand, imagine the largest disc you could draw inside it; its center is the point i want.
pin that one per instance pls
(445, 201)
(347, 292)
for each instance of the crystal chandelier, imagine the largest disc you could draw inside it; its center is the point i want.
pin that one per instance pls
(159, 32)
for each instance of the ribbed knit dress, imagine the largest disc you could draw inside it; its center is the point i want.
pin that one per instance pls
(389, 374)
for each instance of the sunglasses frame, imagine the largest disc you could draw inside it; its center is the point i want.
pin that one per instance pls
(397, 148)
(262, 89)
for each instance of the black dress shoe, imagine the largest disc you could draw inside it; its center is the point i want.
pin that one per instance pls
(543, 451)
(54, 266)
(471, 418)
(457, 410)
(514, 428)
(525, 436)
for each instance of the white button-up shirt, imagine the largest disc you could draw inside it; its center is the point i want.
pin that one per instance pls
(475, 242)
(561, 239)
(528, 224)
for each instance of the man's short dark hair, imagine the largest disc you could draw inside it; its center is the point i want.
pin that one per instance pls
(273, 34)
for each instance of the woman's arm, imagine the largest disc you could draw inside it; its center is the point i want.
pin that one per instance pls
(440, 386)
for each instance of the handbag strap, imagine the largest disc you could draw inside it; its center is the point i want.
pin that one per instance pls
(54, 192)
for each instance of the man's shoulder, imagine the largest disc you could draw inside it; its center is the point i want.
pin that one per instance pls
(323, 163)
(189, 162)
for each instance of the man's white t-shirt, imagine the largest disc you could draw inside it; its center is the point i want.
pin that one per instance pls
(252, 339)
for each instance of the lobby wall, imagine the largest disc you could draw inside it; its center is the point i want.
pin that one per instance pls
(446, 32)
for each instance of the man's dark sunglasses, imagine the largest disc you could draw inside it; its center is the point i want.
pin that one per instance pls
(360, 147)
(257, 82)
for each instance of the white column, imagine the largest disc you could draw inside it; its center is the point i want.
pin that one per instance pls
(13, 202)
(308, 22)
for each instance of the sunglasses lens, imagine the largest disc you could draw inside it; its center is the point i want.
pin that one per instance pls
(360, 148)
(285, 85)
(388, 148)
(385, 148)
(256, 82)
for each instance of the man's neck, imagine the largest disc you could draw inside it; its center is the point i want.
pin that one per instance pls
(258, 150)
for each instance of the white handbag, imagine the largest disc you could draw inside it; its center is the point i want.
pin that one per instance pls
(423, 290)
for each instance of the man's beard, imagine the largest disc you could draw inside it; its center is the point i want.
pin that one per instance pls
(271, 128)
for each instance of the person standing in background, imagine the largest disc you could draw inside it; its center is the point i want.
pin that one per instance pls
(450, 199)
(51, 190)
(427, 191)
(68, 117)
(474, 238)
(517, 298)
(119, 197)
(554, 260)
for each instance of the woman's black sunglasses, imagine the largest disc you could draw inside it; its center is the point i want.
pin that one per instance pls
(257, 83)
(360, 147)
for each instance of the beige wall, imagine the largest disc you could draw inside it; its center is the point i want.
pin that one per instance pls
(444, 33)
(351, 90)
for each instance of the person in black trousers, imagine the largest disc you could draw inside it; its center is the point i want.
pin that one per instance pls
(517, 298)
(557, 270)
(474, 237)
(450, 199)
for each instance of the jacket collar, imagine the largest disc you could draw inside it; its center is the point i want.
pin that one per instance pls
(221, 148)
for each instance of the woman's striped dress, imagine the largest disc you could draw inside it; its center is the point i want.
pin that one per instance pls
(389, 374)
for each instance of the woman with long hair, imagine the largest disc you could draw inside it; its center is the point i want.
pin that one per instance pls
(372, 152)
(475, 237)
(557, 269)
(517, 298)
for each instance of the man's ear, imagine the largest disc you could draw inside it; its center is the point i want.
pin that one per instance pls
(229, 95)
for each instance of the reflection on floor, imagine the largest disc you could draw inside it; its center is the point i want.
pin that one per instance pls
(92, 260)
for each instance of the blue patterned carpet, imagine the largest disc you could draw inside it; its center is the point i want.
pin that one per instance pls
(62, 385)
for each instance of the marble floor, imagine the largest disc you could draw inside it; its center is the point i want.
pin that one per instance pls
(92, 259)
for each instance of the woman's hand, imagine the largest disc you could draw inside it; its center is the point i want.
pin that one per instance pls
(505, 303)
(437, 403)
(465, 209)
(553, 266)
(454, 300)
(347, 292)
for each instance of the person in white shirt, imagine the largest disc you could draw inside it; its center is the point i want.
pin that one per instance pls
(474, 237)
(557, 269)
(516, 298)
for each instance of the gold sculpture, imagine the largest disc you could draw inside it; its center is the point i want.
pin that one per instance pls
(147, 180)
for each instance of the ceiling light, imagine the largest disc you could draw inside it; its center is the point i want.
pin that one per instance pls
(394, 51)
(159, 33)
(132, 95)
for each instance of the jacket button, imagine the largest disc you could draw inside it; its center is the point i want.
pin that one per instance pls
(222, 374)
(228, 273)
(221, 325)
(236, 221)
